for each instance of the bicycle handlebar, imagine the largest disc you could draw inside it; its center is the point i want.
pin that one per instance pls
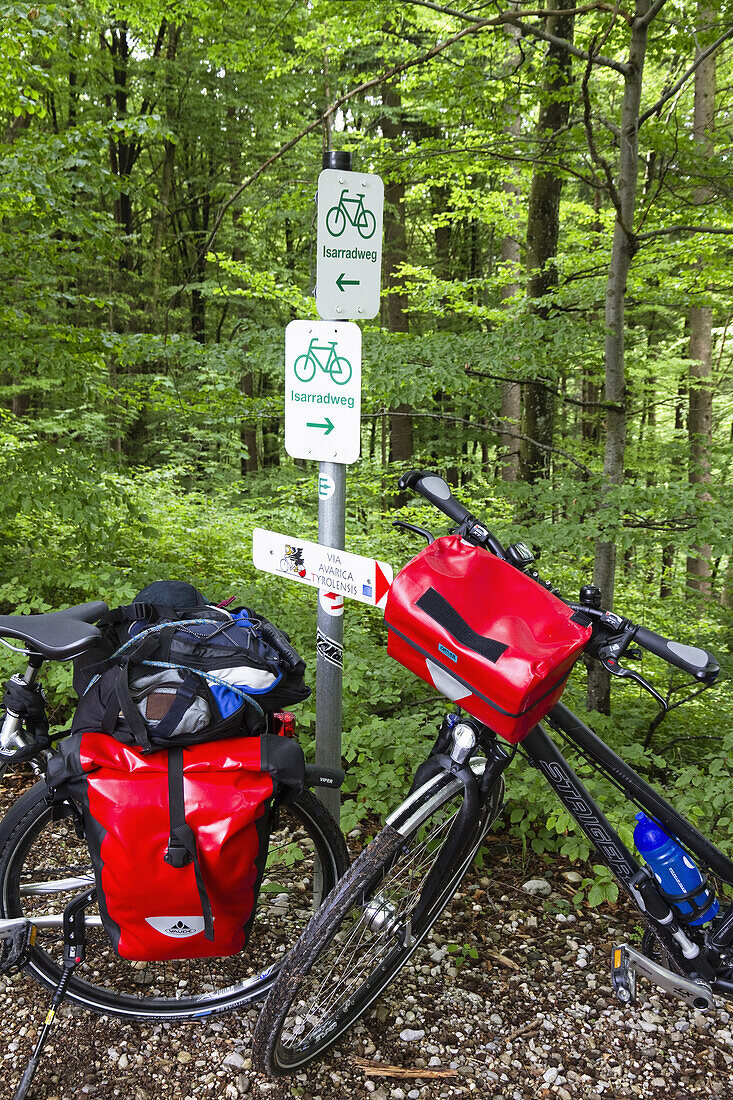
(437, 491)
(318, 775)
(691, 659)
(694, 660)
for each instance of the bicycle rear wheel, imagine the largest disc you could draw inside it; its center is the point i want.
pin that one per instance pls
(368, 929)
(44, 863)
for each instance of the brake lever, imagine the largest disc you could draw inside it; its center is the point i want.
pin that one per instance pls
(415, 529)
(611, 665)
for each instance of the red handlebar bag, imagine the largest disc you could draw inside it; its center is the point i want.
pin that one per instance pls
(178, 838)
(487, 636)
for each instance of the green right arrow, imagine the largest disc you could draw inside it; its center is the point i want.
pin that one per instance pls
(327, 426)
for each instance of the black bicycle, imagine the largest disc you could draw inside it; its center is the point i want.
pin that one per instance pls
(45, 871)
(393, 893)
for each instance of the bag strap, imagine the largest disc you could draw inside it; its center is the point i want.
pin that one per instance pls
(186, 692)
(132, 715)
(130, 613)
(182, 848)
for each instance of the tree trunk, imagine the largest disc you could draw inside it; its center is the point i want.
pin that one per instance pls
(511, 392)
(543, 228)
(700, 417)
(395, 253)
(622, 251)
(248, 430)
(166, 175)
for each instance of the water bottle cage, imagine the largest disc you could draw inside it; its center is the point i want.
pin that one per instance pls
(698, 908)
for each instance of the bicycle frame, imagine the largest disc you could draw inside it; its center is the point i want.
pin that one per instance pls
(357, 202)
(314, 348)
(545, 755)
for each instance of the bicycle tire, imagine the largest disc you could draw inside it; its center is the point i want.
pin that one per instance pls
(307, 856)
(344, 374)
(365, 927)
(369, 220)
(308, 369)
(339, 219)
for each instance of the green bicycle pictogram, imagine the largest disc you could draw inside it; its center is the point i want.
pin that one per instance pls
(338, 366)
(351, 211)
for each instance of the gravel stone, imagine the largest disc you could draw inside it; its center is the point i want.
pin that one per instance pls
(233, 1059)
(535, 1026)
(537, 887)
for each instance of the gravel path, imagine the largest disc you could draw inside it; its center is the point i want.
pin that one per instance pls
(530, 1016)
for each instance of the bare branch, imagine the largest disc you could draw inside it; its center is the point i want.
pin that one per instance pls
(685, 77)
(598, 59)
(590, 139)
(654, 10)
(497, 426)
(670, 230)
(545, 386)
(538, 13)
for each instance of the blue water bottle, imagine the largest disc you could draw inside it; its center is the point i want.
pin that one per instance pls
(674, 870)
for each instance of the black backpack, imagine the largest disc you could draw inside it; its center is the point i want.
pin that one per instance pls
(171, 669)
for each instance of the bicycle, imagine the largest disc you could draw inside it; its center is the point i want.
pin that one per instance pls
(293, 562)
(336, 366)
(45, 870)
(395, 890)
(339, 216)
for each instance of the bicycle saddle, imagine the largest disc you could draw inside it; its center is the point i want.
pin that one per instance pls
(59, 635)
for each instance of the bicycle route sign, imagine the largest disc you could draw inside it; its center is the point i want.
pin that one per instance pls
(349, 244)
(336, 573)
(323, 390)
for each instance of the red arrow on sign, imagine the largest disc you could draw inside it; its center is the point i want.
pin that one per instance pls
(333, 602)
(381, 586)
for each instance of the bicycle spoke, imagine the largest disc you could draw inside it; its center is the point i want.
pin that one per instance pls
(370, 931)
(35, 887)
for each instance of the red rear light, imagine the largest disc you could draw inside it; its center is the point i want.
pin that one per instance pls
(283, 723)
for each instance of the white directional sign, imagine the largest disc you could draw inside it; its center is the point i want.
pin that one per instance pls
(336, 572)
(323, 390)
(349, 244)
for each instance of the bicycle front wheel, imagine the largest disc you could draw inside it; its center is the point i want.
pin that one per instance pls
(366, 225)
(368, 929)
(341, 371)
(43, 864)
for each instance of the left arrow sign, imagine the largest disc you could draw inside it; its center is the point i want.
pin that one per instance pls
(342, 281)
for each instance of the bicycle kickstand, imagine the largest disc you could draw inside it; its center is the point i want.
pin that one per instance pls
(74, 952)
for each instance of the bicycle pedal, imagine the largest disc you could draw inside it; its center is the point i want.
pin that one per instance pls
(623, 976)
(17, 937)
(627, 962)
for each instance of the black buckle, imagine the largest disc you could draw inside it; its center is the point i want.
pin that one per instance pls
(177, 855)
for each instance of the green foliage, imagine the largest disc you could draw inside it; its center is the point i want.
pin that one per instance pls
(157, 171)
(461, 953)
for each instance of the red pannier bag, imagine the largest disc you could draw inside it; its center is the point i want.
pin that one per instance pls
(484, 634)
(178, 838)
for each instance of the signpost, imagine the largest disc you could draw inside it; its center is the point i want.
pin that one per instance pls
(336, 573)
(323, 423)
(349, 244)
(323, 390)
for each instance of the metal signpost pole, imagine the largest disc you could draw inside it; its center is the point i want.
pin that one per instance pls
(330, 645)
(329, 661)
(323, 424)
